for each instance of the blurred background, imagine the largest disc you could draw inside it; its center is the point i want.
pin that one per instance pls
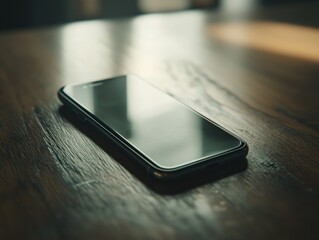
(16, 14)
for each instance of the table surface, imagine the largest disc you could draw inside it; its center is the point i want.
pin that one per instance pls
(254, 73)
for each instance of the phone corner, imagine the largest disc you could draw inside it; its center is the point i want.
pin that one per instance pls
(245, 148)
(159, 175)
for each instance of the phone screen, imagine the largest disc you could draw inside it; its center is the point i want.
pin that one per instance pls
(168, 133)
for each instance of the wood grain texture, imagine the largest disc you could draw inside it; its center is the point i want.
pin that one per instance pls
(60, 181)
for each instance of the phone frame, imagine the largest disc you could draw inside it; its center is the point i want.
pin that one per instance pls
(208, 163)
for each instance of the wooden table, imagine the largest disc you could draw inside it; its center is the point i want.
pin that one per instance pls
(255, 74)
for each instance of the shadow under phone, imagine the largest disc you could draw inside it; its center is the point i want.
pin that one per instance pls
(169, 187)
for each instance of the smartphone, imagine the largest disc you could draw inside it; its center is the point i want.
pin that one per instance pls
(166, 138)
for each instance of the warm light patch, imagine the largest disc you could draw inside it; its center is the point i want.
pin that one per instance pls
(287, 39)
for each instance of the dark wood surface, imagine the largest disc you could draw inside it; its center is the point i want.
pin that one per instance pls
(58, 180)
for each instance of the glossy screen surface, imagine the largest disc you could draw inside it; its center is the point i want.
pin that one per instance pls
(164, 130)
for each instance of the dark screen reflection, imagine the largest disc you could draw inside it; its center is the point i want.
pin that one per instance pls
(164, 130)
